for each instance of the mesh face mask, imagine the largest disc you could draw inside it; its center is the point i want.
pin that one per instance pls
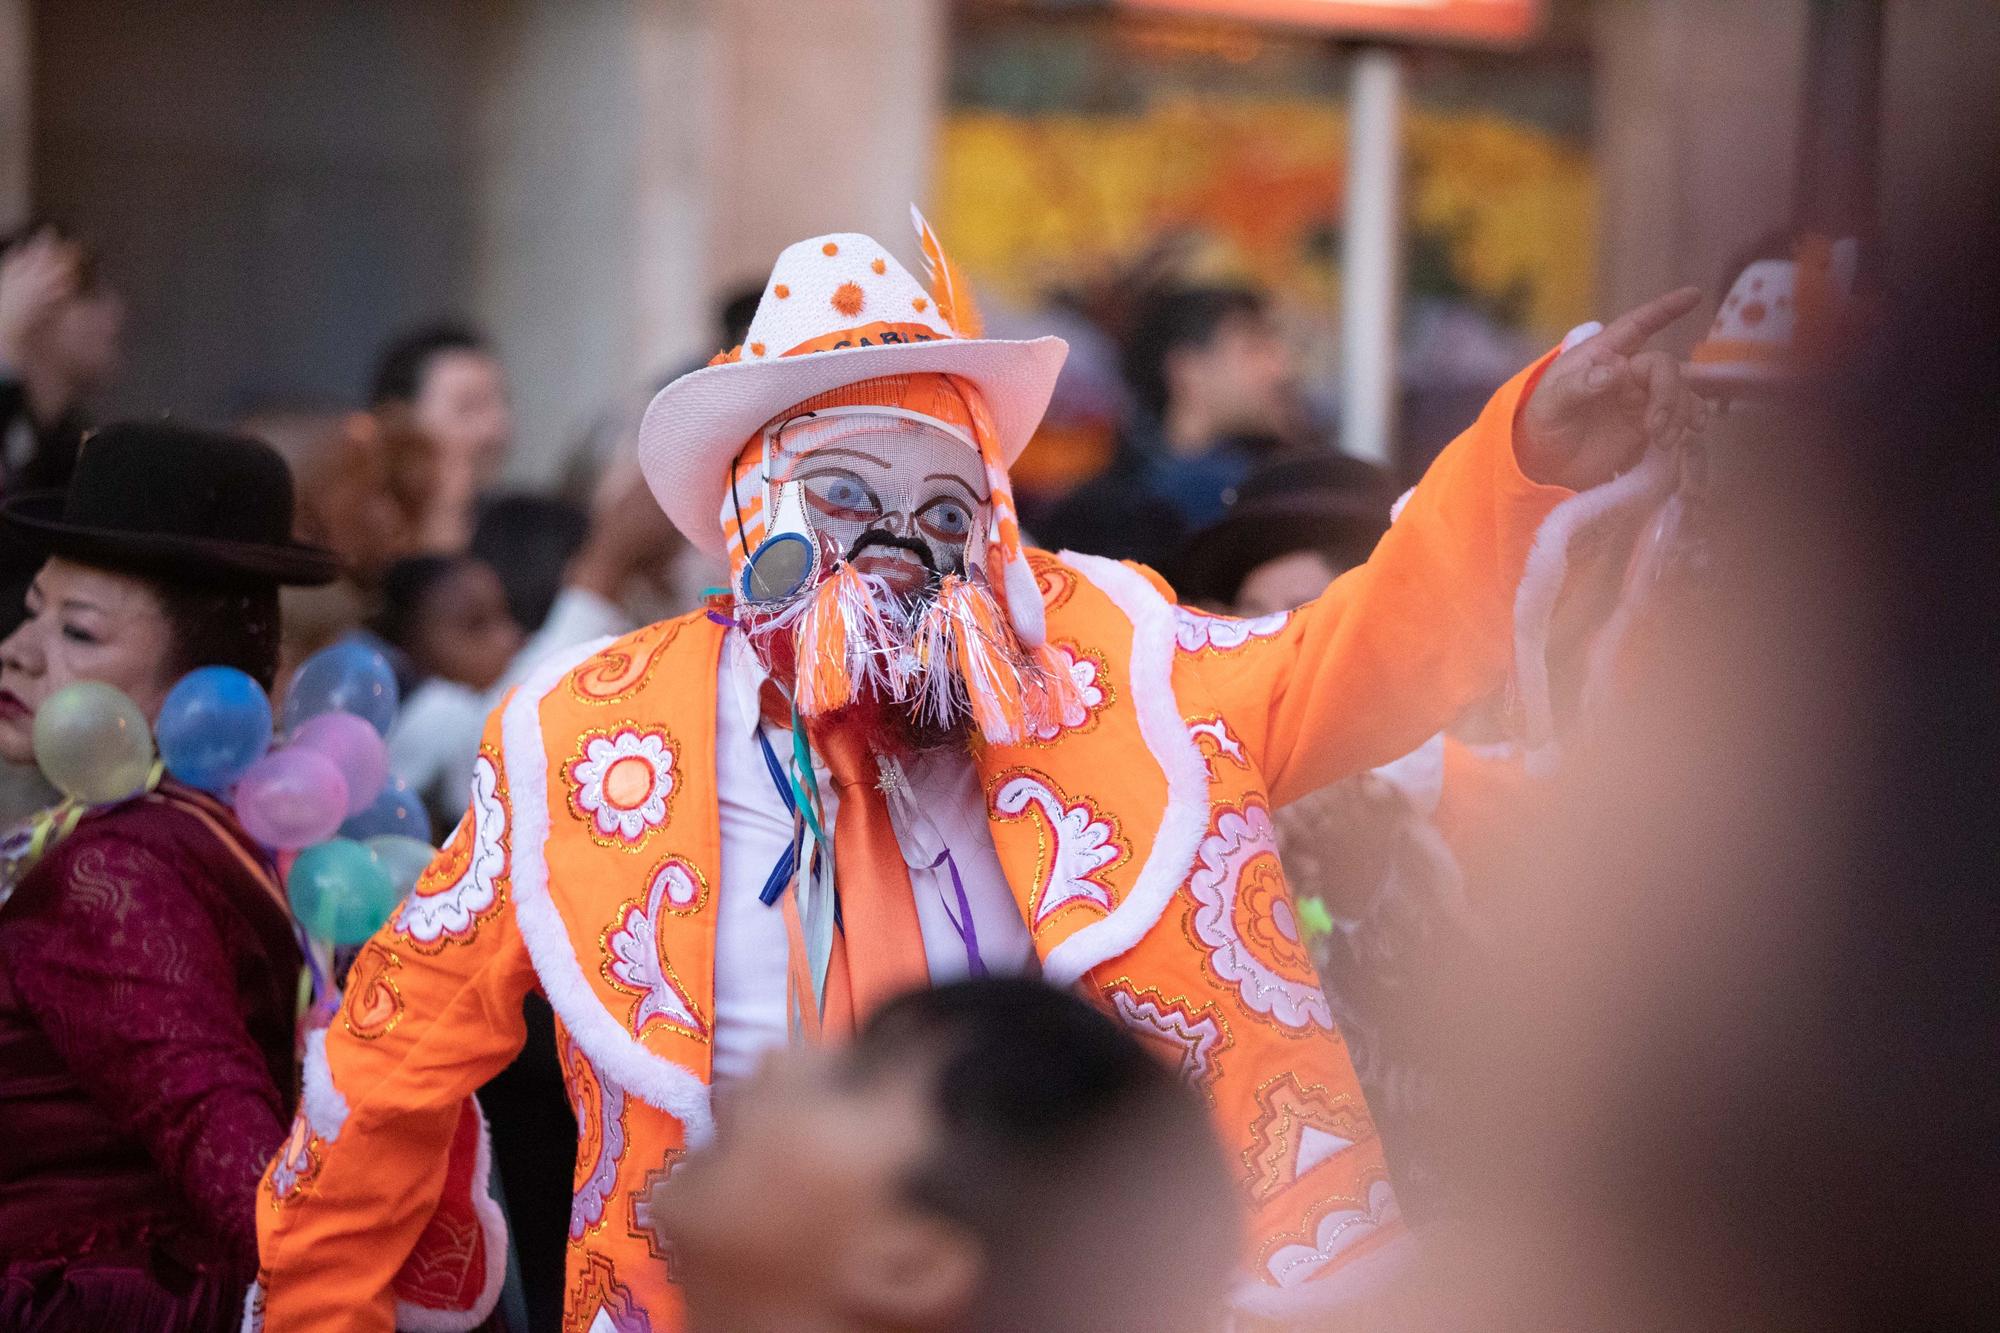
(898, 495)
(874, 556)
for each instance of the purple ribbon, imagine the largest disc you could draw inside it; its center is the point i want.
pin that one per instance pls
(962, 923)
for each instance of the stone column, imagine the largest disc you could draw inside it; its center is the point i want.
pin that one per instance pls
(1697, 135)
(641, 157)
(16, 97)
(827, 115)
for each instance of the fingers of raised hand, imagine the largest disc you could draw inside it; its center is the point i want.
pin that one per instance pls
(44, 267)
(1600, 378)
(1629, 332)
(1701, 415)
(1659, 375)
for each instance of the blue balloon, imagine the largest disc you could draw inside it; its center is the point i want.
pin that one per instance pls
(215, 723)
(350, 676)
(340, 892)
(397, 810)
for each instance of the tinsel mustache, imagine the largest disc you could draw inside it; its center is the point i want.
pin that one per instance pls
(949, 655)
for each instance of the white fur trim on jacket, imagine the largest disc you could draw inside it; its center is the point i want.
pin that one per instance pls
(1548, 565)
(1582, 333)
(326, 1109)
(1350, 1282)
(1418, 775)
(1165, 730)
(493, 1225)
(655, 1080)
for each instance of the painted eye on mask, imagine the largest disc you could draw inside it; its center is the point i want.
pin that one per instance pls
(946, 520)
(842, 495)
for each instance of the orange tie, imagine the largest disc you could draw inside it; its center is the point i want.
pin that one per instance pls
(878, 953)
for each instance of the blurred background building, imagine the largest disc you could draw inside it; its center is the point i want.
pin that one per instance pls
(277, 188)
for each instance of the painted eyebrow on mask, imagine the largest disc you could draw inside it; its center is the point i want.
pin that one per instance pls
(799, 466)
(953, 477)
(829, 451)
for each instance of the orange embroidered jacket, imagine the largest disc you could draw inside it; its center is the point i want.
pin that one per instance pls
(1136, 837)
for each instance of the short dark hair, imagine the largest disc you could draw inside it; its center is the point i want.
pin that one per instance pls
(406, 359)
(405, 587)
(221, 626)
(529, 540)
(1085, 1167)
(734, 313)
(1170, 318)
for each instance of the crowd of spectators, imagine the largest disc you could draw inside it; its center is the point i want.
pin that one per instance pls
(1200, 457)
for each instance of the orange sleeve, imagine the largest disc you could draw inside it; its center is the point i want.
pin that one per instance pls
(377, 1165)
(1397, 647)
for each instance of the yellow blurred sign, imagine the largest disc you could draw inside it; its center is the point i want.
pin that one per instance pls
(1399, 20)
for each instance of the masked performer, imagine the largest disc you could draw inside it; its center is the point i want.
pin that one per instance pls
(905, 749)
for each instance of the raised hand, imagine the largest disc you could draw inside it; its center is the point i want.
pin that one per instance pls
(36, 277)
(1602, 403)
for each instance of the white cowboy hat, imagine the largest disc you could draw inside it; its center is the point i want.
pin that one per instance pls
(843, 283)
(1779, 316)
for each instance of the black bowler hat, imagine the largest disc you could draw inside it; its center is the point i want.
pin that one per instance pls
(1315, 500)
(158, 498)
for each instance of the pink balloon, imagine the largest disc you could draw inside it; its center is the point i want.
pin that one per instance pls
(292, 798)
(357, 750)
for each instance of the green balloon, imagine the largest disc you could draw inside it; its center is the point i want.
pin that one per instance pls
(93, 743)
(339, 891)
(403, 859)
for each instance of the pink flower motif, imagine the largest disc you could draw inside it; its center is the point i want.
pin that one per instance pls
(622, 782)
(1243, 917)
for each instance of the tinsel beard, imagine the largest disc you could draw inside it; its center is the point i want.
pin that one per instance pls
(919, 672)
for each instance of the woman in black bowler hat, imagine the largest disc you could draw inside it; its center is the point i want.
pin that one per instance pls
(149, 975)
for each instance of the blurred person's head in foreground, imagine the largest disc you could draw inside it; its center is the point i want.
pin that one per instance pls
(989, 1155)
(851, 462)
(448, 616)
(449, 383)
(165, 553)
(1209, 363)
(1745, 986)
(1295, 525)
(61, 324)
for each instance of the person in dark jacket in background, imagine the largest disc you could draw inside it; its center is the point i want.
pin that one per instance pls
(1214, 384)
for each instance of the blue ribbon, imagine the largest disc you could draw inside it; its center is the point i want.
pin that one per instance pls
(788, 863)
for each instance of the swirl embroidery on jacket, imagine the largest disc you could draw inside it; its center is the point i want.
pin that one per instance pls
(1093, 693)
(634, 962)
(1086, 844)
(1198, 631)
(463, 884)
(600, 1120)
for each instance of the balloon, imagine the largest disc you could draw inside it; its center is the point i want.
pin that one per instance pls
(93, 744)
(340, 892)
(215, 723)
(403, 859)
(356, 749)
(291, 798)
(348, 677)
(396, 810)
